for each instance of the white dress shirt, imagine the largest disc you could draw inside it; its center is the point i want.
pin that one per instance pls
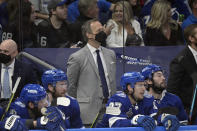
(10, 72)
(93, 52)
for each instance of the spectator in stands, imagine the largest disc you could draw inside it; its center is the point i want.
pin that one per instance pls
(191, 19)
(23, 32)
(130, 26)
(55, 32)
(88, 10)
(27, 109)
(163, 101)
(91, 72)
(55, 83)
(3, 14)
(135, 4)
(183, 76)
(162, 30)
(104, 6)
(12, 68)
(41, 11)
(178, 7)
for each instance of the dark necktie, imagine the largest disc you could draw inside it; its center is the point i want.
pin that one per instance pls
(102, 75)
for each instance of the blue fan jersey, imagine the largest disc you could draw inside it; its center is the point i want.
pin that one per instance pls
(171, 100)
(120, 111)
(178, 7)
(70, 107)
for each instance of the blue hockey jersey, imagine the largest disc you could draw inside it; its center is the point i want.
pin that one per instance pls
(19, 108)
(70, 107)
(170, 100)
(120, 111)
(1, 123)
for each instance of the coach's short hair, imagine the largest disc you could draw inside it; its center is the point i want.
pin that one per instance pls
(86, 28)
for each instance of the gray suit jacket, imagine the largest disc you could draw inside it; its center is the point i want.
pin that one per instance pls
(84, 81)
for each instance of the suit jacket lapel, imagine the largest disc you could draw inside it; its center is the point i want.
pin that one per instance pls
(0, 73)
(189, 61)
(91, 59)
(15, 73)
(190, 65)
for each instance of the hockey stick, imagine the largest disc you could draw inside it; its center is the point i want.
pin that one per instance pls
(98, 117)
(192, 105)
(12, 96)
(95, 120)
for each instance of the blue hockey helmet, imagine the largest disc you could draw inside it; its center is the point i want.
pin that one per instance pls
(52, 76)
(32, 93)
(130, 78)
(148, 71)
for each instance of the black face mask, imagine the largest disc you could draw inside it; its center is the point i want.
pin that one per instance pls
(5, 58)
(101, 37)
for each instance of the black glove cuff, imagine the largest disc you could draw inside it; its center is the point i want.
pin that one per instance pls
(29, 123)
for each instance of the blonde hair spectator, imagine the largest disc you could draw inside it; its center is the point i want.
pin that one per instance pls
(124, 22)
(160, 14)
(162, 30)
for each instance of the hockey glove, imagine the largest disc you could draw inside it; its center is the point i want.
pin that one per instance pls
(170, 122)
(147, 122)
(41, 122)
(56, 119)
(14, 123)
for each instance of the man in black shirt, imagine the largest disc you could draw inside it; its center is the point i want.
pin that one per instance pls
(54, 32)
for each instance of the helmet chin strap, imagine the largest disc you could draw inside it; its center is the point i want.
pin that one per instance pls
(54, 90)
(53, 93)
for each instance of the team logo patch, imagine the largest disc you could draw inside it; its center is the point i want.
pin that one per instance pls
(63, 101)
(113, 110)
(129, 113)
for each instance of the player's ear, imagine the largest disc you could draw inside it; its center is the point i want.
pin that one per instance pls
(129, 88)
(51, 88)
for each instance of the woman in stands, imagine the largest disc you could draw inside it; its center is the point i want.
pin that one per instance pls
(135, 4)
(130, 26)
(162, 30)
(21, 27)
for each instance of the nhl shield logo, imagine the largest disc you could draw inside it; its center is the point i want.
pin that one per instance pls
(129, 113)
